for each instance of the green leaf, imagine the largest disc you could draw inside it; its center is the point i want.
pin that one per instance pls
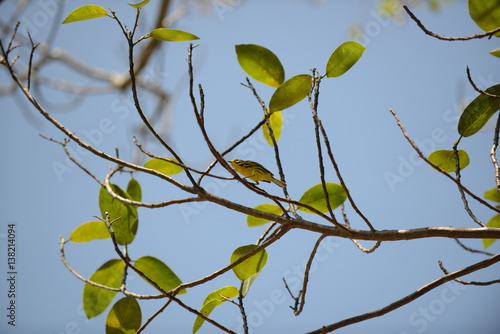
(445, 159)
(125, 228)
(213, 300)
(90, 231)
(86, 12)
(159, 272)
(290, 92)
(95, 299)
(495, 52)
(261, 64)
(494, 222)
(245, 285)
(134, 190)
(250, 266)
(492, 195)
(139, 4)
(270, 208)
(343, 58)
(124, 317)
(172, 35)
(486, 14)
(478, 112)
(163, 166)
(315, 197)
(276, 122)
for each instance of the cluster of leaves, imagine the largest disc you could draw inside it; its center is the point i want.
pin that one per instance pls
(121, 218)
(486, 14)
(264, 66)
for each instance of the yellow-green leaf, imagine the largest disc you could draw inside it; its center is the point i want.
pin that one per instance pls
(261, 64)
(343, 58)
(478, 112)
(492, 195)
(270, 208)
(445, 159)
(159, 272)
(95, 299)
(126, 227)
(172, 35)
(86, 12)
(125, 317)
(486, 14)
(139, 4)
(495, 52)
(290, 92)
(163, 166)
(315, 197)
(276, 122)
(250, 266)
(213, 300)
(494, 222)
(134, 190)
(90, 231)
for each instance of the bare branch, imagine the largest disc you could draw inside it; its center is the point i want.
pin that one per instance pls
(409, 298)
(467, 282)
(306, 275)
(473, 250)
(444, 38)
(457, 178)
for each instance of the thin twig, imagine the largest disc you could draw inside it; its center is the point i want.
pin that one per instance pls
(295, 306)
(33, 48)
(242, 309)
(462, 194)
(357, 243)
(444, 38)
(476, 88)
(493, 154)
(441, 266)
(306, 274)
(472, 250)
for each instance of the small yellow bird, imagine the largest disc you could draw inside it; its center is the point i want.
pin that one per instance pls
(255, 171)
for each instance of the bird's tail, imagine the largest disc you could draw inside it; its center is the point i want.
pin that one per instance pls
(278, 182)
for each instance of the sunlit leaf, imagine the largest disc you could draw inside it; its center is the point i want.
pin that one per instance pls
(159, 272)
(343, 58)
(139, 4)
(315, 197)
(478, 112)
(126, 227)
(445, 159)
(494, 222)
(495, 52)
(290, 92)
(276, 122)
(213, 300)
(270, 208)
(492, 195)
(250, 266)
(86, 12)
(125, 317)
(90, 231)
(172, 35)
(486, 14)
(134, 190)
(95, 299)
(261, 64)
(163, 166)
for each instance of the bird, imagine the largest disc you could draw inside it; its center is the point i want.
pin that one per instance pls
(255, 171)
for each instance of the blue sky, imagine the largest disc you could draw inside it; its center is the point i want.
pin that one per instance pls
(421, 78)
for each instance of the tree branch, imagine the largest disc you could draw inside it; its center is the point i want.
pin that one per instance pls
(409, 298)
